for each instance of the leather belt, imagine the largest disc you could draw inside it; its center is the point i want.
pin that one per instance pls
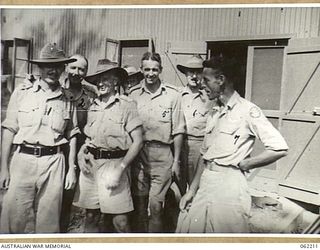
(103, 154)
(212, 166)
(39, 151)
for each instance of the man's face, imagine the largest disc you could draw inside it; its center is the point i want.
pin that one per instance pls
(50, 73)
(131, 82)
(107, 84)
(151, 71)
(77, 70)
(212, 83)
(194, 77)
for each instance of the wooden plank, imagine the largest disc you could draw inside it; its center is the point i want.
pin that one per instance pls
(301, 89)
(299, 195)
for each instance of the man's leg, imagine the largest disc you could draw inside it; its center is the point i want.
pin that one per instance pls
(139, 217)
(91, 223)
(160, 161)
(17, 214)
(49, 193)
(140, 186)
(121, 223)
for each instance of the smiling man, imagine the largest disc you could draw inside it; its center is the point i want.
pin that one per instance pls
(218, 199)
(159, 106)
(40, 120)
(81, 94)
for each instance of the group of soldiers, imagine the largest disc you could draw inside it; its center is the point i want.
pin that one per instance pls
(116, 141)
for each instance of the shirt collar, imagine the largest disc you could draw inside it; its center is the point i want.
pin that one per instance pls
(234, 99)
(157, 93)
(71, 96)
(39, 85)
(102, 105)
(186, 90)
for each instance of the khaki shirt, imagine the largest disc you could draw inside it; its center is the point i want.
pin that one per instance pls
(109, 124)
(37, 116)
(160, 113)
(231, 132)
(195, 107)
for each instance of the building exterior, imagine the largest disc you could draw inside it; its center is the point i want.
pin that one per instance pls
(279, 49)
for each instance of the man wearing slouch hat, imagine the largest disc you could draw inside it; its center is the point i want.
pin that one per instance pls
(40, 120)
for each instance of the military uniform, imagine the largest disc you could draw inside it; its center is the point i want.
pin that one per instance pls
(42, 122)
(82, 104)
(222, 203)
(162, 120)
(107, 129)
(195, 107)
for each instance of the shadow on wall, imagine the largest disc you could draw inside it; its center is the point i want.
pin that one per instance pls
(69, 28)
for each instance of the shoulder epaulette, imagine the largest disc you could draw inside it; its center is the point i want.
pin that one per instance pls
(26, 84)
(134, 89)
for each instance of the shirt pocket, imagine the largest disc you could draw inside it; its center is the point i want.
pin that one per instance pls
(59, 119)
(225, 143)
(27, 115)
(114, 126)
(164, 113)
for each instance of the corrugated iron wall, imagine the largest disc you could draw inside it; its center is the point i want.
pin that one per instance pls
(84, 30)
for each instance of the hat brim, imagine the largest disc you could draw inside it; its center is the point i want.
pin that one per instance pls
(55, 60)
(138, 74)
(95, 78)
(184, 69)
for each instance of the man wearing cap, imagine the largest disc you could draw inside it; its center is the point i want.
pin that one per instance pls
(218, 199)
(40, 120)
(134, 78)
(114, 138)
(159, 106)
(81, 94)
(195, 105)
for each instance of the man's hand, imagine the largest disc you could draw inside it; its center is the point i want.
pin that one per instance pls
(243, 166)
(84, 160)
(176, 170)
(185, 202)
(71, 178)
(113, 176)
(4, 178)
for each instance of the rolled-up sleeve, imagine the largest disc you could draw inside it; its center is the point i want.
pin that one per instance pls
(11, 120)
(72, 126)
(262, 128)
(132, 118)
(178, 120)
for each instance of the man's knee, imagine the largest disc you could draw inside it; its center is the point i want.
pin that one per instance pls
(92, 216)
(121, 223)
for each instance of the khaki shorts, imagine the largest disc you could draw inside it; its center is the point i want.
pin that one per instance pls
(151, 173)
(91, 192)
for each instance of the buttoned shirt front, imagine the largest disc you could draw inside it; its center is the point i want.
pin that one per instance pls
(195, 107)
(110, 123)
(160, 113)
(81, 102)
(39, 116)
(231, 131)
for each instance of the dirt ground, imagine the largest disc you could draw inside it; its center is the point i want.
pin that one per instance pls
(270, 214)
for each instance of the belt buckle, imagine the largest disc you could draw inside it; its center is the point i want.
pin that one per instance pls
(37, 151)
(109, 155)
(99, 155)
